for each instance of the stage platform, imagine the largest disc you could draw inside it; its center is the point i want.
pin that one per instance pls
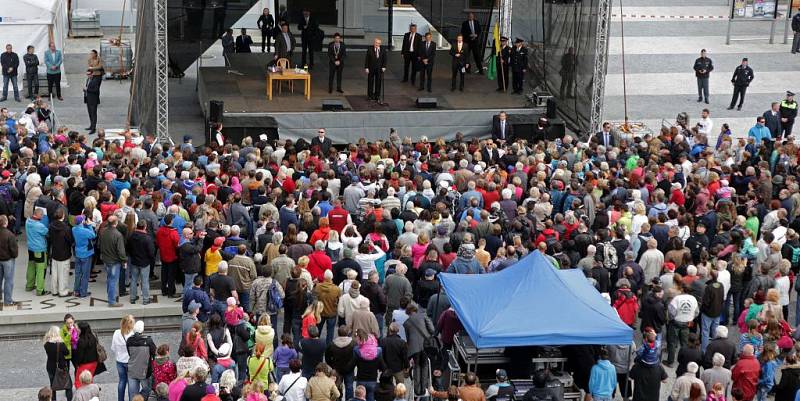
(242, 88)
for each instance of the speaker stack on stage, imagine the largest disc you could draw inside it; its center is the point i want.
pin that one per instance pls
(216, 110)
(525, 124)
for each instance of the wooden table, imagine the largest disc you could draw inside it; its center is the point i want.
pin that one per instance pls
(289, 75)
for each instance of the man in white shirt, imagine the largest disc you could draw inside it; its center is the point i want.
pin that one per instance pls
(724, 278)
(705, 125)
(293, 385)
(682, 310)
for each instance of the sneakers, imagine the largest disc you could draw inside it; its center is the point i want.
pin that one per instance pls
(116, 305)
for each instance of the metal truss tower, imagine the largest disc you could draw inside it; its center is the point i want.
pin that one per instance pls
(600, 64)
(162, 72)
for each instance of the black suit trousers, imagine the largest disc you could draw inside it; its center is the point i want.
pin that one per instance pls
(409, 63)
(425, 75)
(307, 51)
(738, 93)
(474, 48)
(266, 40)
(457, 71)
(518, 78)
(92, 101)
(335, 71)
(374, 78)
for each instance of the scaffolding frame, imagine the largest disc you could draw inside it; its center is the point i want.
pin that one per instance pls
(600, 64)
(162, 72)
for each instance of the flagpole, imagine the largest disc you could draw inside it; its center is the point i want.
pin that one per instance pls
(500, 51)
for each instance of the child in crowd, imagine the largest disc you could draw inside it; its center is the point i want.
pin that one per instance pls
(283, 354)
(233, 313)
(163, 368)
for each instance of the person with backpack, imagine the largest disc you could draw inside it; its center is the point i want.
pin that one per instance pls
(266, 297)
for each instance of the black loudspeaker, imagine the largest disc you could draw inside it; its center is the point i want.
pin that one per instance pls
(216, 108)
(427, 102)
(523, 125)
(551, 108)
(332, 105)
(556, 129)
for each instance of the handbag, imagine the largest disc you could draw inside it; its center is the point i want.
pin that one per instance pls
(61, 379)
(101, 353)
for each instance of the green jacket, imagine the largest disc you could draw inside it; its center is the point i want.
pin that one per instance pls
(66, 337)
(256, 375)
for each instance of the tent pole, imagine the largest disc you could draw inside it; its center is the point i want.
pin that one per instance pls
(624, 390)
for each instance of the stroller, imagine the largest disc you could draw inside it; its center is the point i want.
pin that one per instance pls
(423, 366)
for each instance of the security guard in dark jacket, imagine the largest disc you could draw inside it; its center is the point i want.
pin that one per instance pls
(519, 64)
(702, 69)
(788, 113)
(503, 61)
(742, 76)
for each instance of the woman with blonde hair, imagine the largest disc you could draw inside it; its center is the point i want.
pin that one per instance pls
(333, 247)
(120, 349)
(265, 334)
(772, 307)
(57, 353)
(91, 211)
(312, 316)
(418, 249)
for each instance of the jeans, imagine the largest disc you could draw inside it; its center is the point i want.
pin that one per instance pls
(112, 278)
(244, 300)
(347, 379)
(331, 330)
(708, 326)
(7, 279)
(273, 320)
(13, 80)
(140, 273)
(279, 372)
(370, 386)
(138, 386)
(297, 332)
(241, 364)
(32, 81)
(797, 310)
(379, 317)
(702, 88)
(82, 268)
(796, 42)
(726, 306)
(219, 307)
(738, 305)
(188, 281)
(122, 372)
(601, 398)
(218, 369)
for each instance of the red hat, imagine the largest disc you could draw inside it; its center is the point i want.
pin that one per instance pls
(6, 174)
(669, 266)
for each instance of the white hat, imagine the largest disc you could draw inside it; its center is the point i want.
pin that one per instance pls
(138, 327)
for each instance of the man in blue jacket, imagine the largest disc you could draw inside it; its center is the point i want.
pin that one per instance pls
(37, 252)
(760, 132)
(603, 378)
(84, 235)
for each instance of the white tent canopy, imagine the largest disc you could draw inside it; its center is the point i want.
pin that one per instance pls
(34, 23)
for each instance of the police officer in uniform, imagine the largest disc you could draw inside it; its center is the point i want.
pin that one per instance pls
(742, 76)
(519, 64)
(788, 112)
(503, 61)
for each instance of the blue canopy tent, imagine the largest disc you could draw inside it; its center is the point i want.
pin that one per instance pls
(531, 303)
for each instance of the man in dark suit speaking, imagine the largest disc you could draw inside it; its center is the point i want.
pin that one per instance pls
(426, 55)
(502, 131)
(375, 65)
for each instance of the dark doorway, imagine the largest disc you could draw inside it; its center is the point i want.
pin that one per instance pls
(323, 10)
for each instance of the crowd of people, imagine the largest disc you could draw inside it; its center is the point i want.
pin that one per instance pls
(308, 270)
